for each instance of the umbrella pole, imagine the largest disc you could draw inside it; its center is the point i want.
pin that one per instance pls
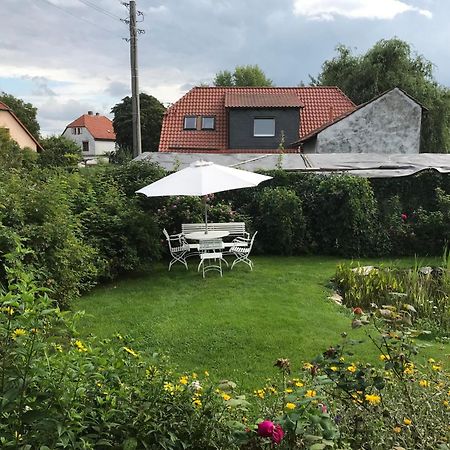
(206, 214)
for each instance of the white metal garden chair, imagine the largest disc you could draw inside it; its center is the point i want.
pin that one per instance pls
(241, 250)
(211, 255)
(178, 248)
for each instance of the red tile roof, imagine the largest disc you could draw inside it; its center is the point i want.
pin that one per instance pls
(99, 126)
(320, 104)
(262, 100)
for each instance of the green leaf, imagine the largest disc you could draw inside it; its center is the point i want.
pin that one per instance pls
(130, 444)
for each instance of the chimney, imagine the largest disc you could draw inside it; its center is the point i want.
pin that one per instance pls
(97, 114)
(90, 113)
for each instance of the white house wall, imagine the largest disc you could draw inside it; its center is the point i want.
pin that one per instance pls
(96, 148)
(389, 124)
(104, 147)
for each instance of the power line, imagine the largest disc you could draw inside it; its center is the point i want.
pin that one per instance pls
(99, 9)
(77, 17)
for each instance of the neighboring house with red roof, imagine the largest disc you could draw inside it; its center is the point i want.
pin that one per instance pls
(265, 119)
(93, 133)
(17, 129)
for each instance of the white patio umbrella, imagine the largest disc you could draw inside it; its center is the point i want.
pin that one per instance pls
(202, 178)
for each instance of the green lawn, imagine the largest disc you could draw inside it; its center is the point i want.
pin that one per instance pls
(236, 326)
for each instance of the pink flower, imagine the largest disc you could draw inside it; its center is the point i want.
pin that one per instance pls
(404, 217)
(265, 428)
(277, 434)
(323, 407)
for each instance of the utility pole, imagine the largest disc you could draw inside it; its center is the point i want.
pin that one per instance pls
(136, 109)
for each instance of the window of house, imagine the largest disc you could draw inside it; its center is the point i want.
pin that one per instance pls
(264, 127)
(208, 123)
(85, 146)
(190, 123)
(74, 131)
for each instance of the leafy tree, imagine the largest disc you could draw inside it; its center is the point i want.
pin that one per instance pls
(26, 112)
(59, 151)
(152, 111)
(390, 63)
(242, 76)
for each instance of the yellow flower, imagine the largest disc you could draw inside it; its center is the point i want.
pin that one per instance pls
(385, 357)
(373, 399)
(334, 368)
(206, 373)
(131, 352)
(299, 384)
(169, 387)
(397, 430)
(431, 360)
(9, 310)
(259, 393)
(225, 396)
(18, 332)
(194, 375)
(423, 383)
(290, 405)
(409, 369)
(351, 368)
(272, 390)
(341, 359)
(407, 422)
(310, 393)
(445, 403)
(184, 380)
(436, 367)
(308, 366)
(288, 391)
(197, 402)
(80, 346)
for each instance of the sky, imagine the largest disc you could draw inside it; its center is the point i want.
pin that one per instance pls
(67, 57)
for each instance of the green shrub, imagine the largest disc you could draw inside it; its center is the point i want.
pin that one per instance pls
(344, 218)
(125, 236)
(279, 221)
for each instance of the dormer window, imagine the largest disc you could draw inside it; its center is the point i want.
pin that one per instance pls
(264, 127)
(190, 123)
(208, 123)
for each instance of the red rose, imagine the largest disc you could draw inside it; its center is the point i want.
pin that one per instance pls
(358, 311)
(277, 434)
(265, 428)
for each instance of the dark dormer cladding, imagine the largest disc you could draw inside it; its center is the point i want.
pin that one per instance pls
(262, 120)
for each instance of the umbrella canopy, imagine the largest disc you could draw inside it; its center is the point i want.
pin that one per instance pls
(202, 178)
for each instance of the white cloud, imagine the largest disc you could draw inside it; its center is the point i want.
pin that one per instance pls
(355, 9)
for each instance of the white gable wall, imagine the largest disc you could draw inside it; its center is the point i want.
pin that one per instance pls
(389, 124)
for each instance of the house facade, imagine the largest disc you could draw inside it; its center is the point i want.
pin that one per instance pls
(248, 119)
(308, 119)
(93, 133)
(17, 129)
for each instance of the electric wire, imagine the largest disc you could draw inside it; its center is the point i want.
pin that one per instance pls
(48, 2)
(99, 9)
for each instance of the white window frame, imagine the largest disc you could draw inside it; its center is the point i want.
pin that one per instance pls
(265, 134)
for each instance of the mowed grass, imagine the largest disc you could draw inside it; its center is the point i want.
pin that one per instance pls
(236, 326)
